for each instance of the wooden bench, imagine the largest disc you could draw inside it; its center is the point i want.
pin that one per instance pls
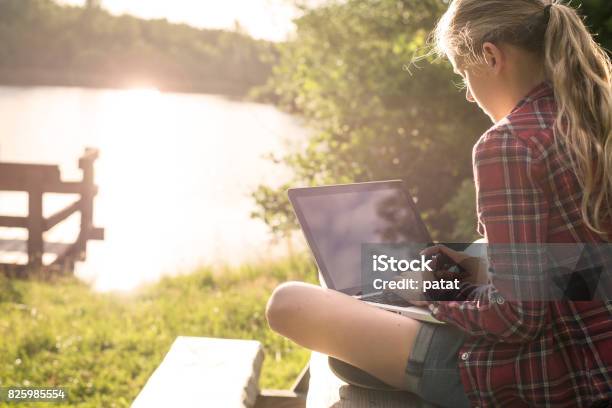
(212, 372)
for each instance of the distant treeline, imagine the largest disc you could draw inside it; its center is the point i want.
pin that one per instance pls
(43, 43)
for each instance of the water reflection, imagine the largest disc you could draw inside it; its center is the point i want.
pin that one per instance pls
(175, 172)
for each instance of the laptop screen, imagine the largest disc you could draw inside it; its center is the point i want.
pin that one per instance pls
(337, 220)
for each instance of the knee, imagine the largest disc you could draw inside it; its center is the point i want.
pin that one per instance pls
(283, 305)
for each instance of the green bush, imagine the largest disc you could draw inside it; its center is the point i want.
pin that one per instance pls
(375, 115)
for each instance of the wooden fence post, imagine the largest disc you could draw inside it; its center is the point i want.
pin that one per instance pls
(35, 226)
(86, 164)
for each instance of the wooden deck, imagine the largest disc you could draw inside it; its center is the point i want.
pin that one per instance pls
(36, 180)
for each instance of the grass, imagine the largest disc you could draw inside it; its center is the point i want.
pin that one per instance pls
(103, 347)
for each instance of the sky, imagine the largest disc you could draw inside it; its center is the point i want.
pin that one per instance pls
(265, 19)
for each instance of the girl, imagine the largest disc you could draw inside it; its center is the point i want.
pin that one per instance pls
(543, 174)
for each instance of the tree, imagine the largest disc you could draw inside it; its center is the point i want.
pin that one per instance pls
(375, 115)
(43, 42)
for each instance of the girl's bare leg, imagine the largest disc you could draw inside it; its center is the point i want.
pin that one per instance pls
(330, 322)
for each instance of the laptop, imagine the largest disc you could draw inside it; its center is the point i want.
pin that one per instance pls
(338, 220)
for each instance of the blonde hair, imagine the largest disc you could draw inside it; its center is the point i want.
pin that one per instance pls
(578, 68)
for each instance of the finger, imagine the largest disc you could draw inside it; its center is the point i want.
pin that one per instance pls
(456, 256)
(401, 276)
(445, 274)
(432, 250)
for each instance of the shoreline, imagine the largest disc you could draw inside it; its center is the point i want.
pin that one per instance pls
(41, 78)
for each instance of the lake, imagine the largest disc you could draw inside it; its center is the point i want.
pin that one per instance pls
(175, 175)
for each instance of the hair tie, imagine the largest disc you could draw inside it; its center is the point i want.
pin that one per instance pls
(547, 13)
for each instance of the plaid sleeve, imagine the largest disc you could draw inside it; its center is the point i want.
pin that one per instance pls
(512, 209)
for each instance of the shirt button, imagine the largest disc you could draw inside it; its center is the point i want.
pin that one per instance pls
(465, 356)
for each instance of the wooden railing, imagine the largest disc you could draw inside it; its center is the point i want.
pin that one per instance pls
(36, 180)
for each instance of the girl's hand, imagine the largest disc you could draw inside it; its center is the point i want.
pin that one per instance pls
(475, 269)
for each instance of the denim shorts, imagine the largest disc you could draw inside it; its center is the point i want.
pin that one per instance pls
(432, 372)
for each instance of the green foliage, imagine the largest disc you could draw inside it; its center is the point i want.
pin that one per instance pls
(103, 347)
(41, 41)
(598, 15)
(461, 209)
(376, 116)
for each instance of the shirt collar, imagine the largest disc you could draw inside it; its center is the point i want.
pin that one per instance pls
(542, 90)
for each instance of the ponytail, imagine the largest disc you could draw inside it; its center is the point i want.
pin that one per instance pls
(578, 68)
(580, 72)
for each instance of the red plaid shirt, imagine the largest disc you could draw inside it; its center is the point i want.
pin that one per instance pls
(529, 353)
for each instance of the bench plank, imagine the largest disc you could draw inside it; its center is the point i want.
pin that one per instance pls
(205, 372)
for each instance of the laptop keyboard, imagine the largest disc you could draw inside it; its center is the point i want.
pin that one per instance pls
(387, 298)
